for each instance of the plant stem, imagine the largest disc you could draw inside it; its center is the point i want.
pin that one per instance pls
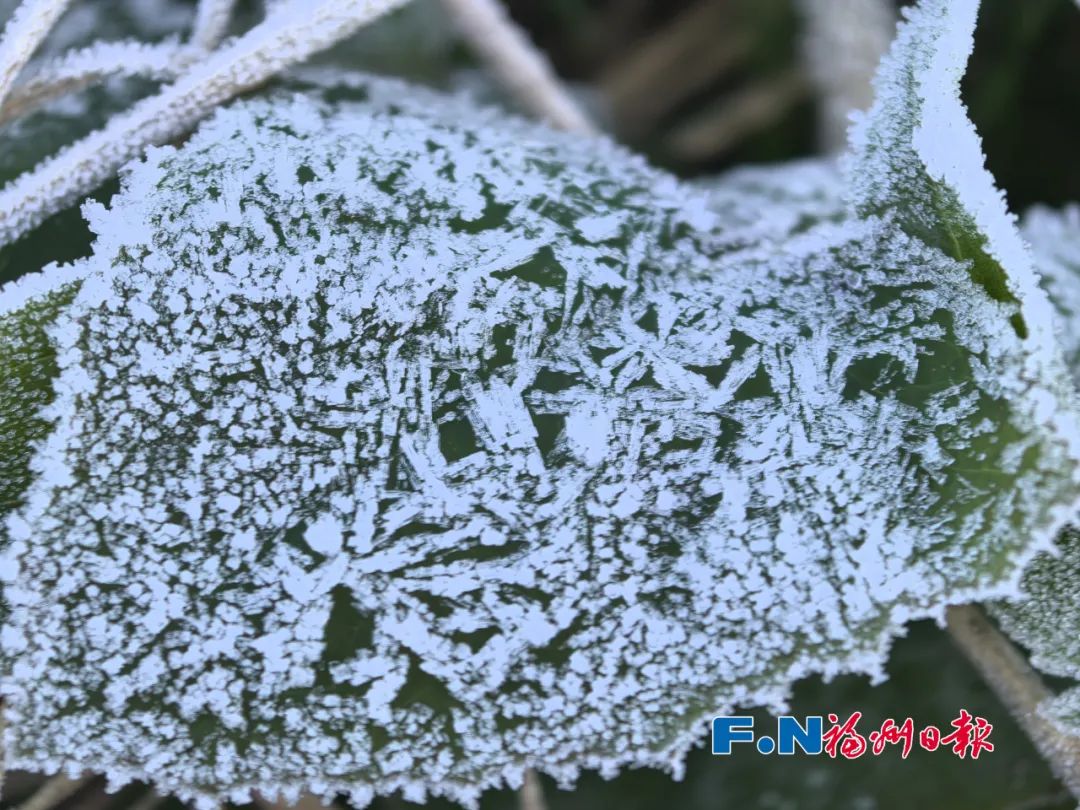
(525, 71)
(843, 43)
(531, 795)
(1018, 686)
(211, 23)
(86, 66)
(24, 32)
(52, 793)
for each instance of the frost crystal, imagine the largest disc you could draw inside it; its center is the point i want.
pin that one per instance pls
(399, 444)
(1047, 620)
(1055, 242)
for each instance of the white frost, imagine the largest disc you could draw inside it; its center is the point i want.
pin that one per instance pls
(480, 447)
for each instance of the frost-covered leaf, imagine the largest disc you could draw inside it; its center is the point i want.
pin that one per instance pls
(1054, 237)
(772, 203)
(1047, 620)
(918, 159)
(399, 444)
(27, 367)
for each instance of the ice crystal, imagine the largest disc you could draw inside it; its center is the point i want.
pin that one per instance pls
(1047, 619)
(397, 444)
(1054, 237)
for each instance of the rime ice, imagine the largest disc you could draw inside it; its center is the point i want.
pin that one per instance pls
(402, 445)
(1046, 620)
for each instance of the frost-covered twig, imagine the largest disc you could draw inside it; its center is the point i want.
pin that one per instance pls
(531, 795)
(516, 62)
(211, 23)
(86, 66)
(53, 792)
(26, 29)
(1018, 686)
(292, 32)
(844, 41)
(304, 802)
(751, 109)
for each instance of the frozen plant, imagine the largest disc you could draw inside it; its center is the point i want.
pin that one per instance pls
(388, 442)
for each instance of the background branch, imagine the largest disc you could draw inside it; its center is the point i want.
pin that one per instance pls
(211, 23)
(517, 64)
(531, 795)
(52, 793)
(24, 32)
(87, 66)
(842, 46)
(1017, 686)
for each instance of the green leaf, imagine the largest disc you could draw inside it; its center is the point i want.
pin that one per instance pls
(400, 444)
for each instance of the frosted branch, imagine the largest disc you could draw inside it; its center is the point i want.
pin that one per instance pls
(52, 793)
(1018, 686)
(844, 41)
(531, 795)
(517, 64)
(26, 29)
(87, 66)
(211, 23)
(291, 33)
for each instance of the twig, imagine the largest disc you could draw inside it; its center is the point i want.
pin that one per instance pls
(844, 41)
(749, 110)
(531, 795)
(663, 52)
(86, 66)
(517, 63)
(211, 23)
(305, 802)
(28, 26)
(291, 33)
(695, 50)
(1018, 686)
(53, 792)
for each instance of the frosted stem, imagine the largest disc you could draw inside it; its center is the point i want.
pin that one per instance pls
(1018, 686)
(517, 63)
(291, 33)
(531, 795)
(306, 801)
(52, 793)
(211, 23)
(81, 68)
(844, 42)
(28, 26)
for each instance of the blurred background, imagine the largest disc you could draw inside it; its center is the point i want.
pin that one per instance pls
(699, 86)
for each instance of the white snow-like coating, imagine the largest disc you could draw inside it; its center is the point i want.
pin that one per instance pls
(916, 155)
(1054, 237)
(401, 445)
(1047, 620)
